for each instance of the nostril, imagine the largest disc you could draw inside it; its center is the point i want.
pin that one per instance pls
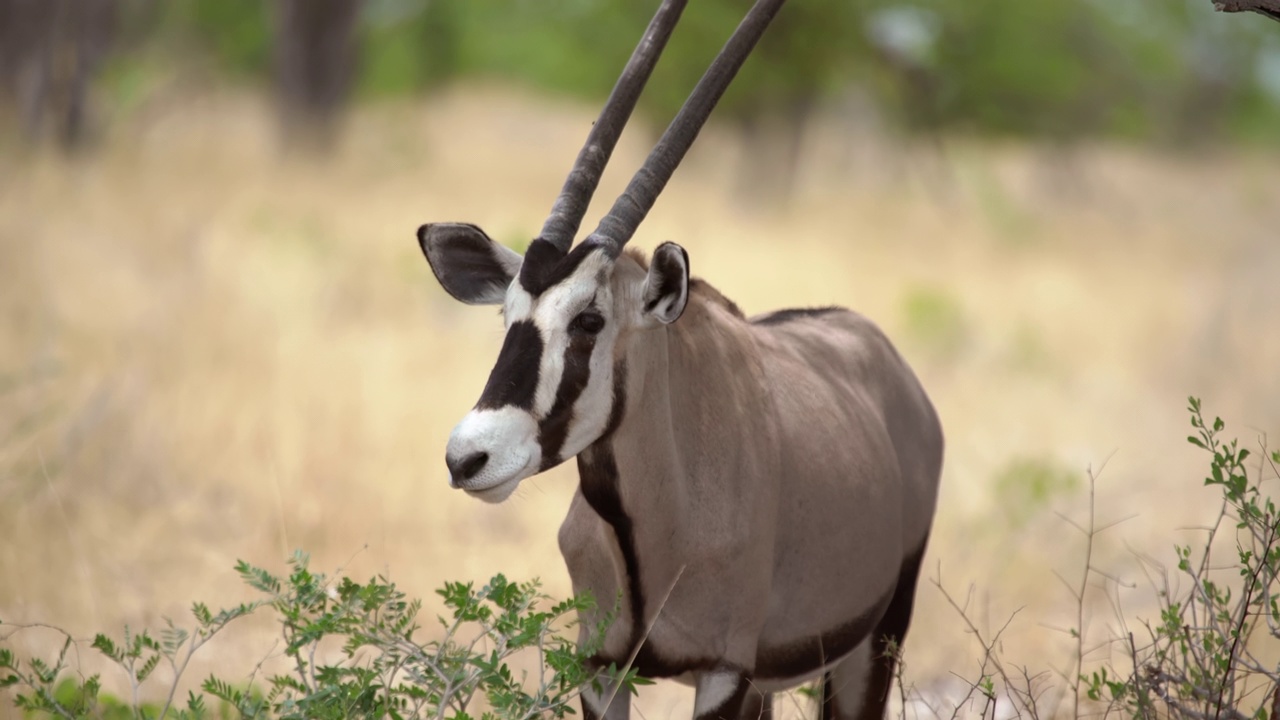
(468, 467)
(473, 465)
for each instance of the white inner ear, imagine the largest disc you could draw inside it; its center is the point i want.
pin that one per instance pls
(667, 309)
(674, 285)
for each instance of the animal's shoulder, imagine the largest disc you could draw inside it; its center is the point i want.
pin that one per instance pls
(825, 336)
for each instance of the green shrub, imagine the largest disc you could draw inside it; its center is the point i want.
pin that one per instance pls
(1198, 661)
(1204, 657)
(384, 672)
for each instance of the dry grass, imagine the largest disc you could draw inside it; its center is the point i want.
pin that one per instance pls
(209, 353)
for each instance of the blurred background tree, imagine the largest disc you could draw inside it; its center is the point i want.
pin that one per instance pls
(50, 52)
(1149, 70)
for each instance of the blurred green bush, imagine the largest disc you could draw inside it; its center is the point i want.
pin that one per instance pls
(1169, 71)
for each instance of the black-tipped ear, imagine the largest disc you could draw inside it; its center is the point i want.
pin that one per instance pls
(666, 289)
(470, 266)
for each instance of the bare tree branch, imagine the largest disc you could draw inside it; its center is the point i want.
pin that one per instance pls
(1270, 8)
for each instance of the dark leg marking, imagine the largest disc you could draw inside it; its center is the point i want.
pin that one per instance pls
(889, 632)
(830, 709)
(619, 698)
(734, 706)
(757, 706)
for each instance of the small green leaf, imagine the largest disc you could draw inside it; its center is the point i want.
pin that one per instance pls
(148, 667)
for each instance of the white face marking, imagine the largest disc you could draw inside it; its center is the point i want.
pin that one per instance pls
(552, 314)
(714, 690)
(518, 305)
(510, 437)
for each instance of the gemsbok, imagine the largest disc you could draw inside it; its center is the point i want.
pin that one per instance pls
(758, 492)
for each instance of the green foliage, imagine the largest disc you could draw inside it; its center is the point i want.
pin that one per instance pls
(236, 33)
(1203, 657)
(407, 48)
(384, 671)
(1060, 69)
(1210, 653)
(1199, 659)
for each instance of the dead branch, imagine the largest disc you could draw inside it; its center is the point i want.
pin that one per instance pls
(1270, 8)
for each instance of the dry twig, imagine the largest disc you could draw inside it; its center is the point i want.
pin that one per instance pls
(1269, 8)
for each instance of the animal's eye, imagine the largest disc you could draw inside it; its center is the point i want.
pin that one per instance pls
(589, 322)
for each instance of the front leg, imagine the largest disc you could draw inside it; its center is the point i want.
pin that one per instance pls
(593, 702)
(726, 693)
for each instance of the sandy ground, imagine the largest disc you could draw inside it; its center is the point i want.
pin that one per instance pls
(210, 353)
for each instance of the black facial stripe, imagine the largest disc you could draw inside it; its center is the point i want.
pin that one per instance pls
(554, 428)
(545, 266)
(514, 379)
(619, 399)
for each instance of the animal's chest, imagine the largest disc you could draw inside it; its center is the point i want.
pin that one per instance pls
(592, 553)
(667, 592)
(597, 565)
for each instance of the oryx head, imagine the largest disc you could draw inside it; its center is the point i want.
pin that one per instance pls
(550, 394)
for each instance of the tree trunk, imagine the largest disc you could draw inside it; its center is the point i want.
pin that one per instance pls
(315, 60)
(50, 51)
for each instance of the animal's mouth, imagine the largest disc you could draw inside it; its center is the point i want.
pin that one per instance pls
(495, 493)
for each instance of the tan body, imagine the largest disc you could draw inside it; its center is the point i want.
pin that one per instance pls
(781, 471)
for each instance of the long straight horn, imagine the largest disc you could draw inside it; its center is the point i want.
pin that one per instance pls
(620, 224)
(575, 196)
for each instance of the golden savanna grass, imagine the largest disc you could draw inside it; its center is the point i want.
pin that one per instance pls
(209, 351)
